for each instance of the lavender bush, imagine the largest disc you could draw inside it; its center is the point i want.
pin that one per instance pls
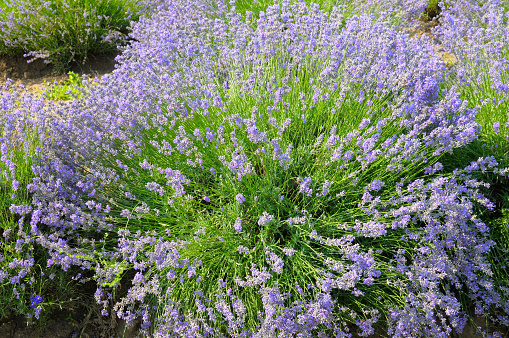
(270, 175)
(476, 33)
(399, 11)
(61, 32)
(28, 285)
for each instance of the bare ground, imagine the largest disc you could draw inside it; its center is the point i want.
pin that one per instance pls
(33, 75)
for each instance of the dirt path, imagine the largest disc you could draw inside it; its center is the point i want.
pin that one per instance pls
(33, 75)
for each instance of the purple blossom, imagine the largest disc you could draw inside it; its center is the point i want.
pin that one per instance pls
(325, 187)
(265, 218)
(242, 249)
(238, 225)
(376, 185)
(288, 251)
(176, 84)
(496, 127)
(35, 300)
(154, 186)
(146, 165)
(129, 195)
(364, 123)
(275, 262)
(240, 198)
(304, 186)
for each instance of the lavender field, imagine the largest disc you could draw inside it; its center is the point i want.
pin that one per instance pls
(260, 169)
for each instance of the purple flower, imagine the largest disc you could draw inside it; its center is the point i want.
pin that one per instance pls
(288, 251)
(238, 225)
(146, 165)
(364, 123)
(35, 300)
(376, 185)
(240, 198)
(242, 249)
(155, 187)
(496, 127)
(304, 186)
(325, 188)
(265, 218)
(173, 74)
(276, 263)
(368, 144)
(366, 197)
(129, 195)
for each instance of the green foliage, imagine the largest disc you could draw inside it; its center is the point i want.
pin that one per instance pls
(62, 31)
(68, 90)
(431, 11)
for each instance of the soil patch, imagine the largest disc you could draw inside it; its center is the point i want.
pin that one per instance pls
(424, 28)
(33, 75)
(81, 319)
(70, 323)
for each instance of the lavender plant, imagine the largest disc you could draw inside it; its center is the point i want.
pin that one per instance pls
(27, 286)
(399, 11)
(277, 174)
(476, 34)
(61, 32)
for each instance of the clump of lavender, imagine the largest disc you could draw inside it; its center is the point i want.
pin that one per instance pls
(24, 274)
(398, 12)
(36, 300)
(477, 35)
(174, 168)
(62, 31)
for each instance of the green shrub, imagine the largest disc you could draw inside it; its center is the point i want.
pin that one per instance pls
(63, 31)
(67, 90)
